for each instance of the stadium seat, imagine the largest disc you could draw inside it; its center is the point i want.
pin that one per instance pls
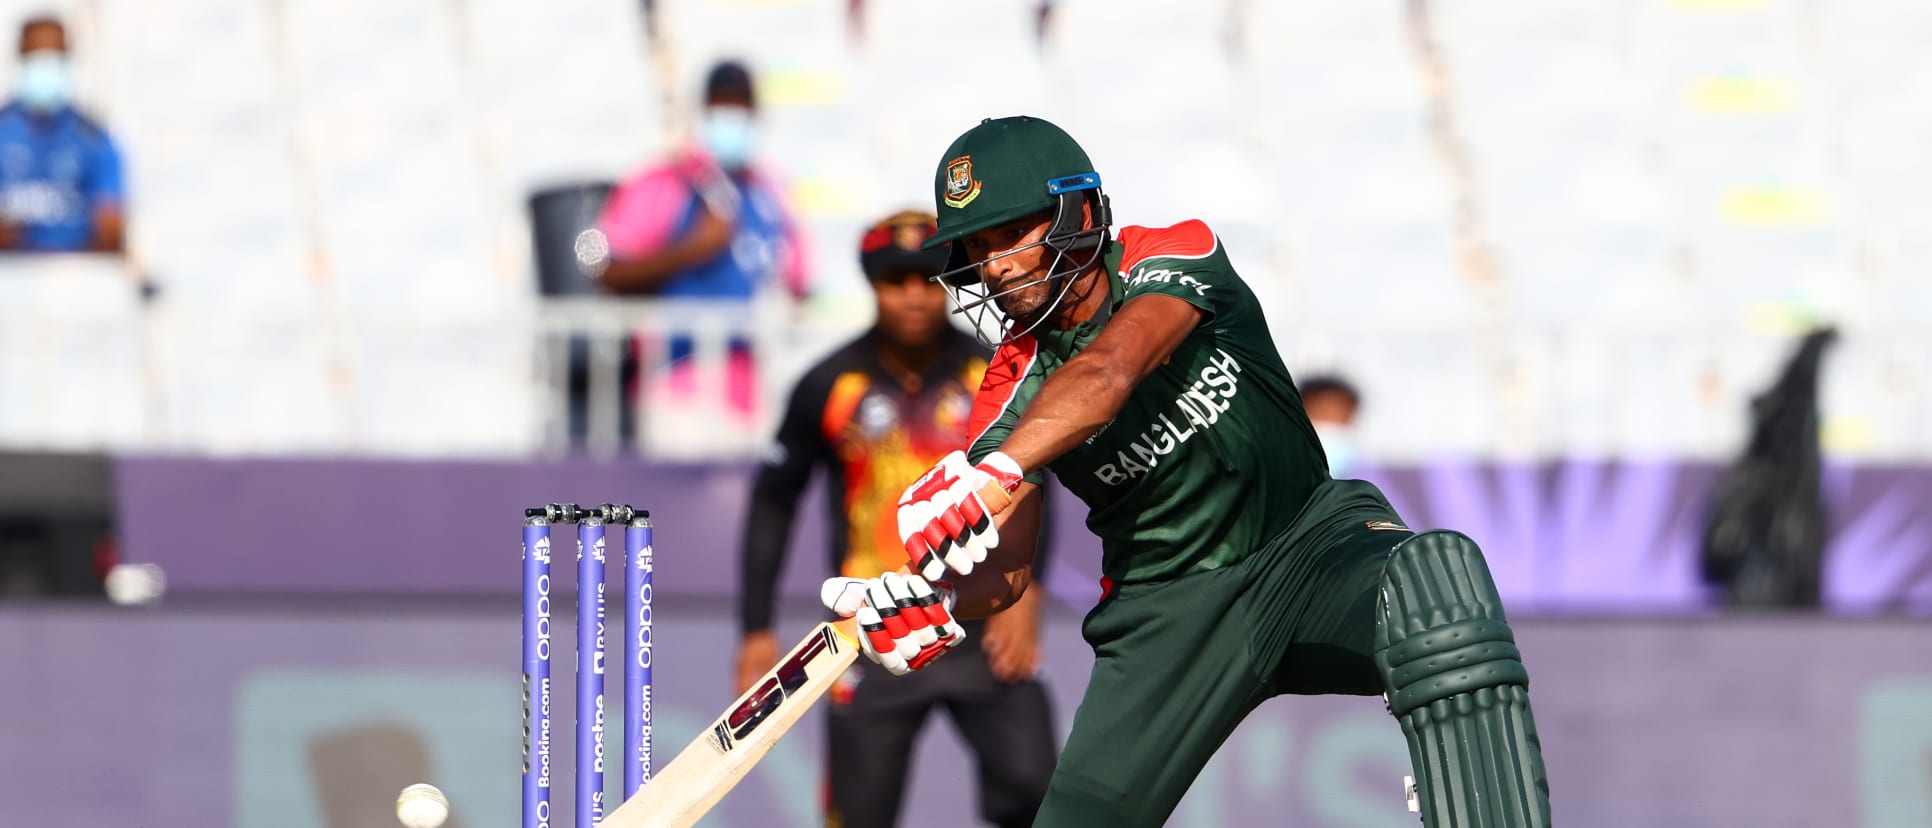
(71, 355)
(402, 218)
(241, 383)
(1666, 189)
(1324, 183)
(1476, 28)
(1874, 400)
(362, 60)
(187, 64)
(468, 387)
(1143, 65)
(1420, 365)
(797, 48)
(231, 234)
(571, 92)
(1395, 274)
(1900, 289)
(914, 112)
(1158, 180)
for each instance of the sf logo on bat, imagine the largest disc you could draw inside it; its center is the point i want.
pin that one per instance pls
(770, 695)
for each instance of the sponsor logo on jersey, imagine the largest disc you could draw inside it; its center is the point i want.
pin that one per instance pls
(1198, 408)
(1163, 275)
(961, 186)
(953, 411)
(877, 415)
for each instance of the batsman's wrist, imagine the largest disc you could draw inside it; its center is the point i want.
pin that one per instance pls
(1005, 469)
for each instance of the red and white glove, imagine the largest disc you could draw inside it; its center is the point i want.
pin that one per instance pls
(946, 516)
(905, 623)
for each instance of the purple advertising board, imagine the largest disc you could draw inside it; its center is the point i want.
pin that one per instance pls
(315, 712)
(1567, 536)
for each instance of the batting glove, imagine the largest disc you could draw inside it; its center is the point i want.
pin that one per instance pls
(905, 622)
(946, 516)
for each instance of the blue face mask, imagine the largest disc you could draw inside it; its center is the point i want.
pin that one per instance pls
(46, 81)
(728, 134)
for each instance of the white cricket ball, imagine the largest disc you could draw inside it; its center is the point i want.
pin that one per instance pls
(422, 806)
(132, 584)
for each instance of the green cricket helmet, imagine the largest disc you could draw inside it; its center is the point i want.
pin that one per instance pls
(1007, 169)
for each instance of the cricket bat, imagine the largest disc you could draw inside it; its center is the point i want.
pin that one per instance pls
(708, 768)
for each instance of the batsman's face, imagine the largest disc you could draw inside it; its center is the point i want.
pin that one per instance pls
(1011, 256)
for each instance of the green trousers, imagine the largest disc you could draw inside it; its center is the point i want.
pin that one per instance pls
(1178, 664)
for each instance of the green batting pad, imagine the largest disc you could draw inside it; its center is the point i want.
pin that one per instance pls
(1457, 684)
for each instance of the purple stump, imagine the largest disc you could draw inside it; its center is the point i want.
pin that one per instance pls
(637, 654)
(590, 672)
(536, 673)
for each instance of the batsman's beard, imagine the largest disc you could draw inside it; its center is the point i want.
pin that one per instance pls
(1023, 308)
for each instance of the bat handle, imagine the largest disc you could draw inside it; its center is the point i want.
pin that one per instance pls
(996, 498)
(849, 629)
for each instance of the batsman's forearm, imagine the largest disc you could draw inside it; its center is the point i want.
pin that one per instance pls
(1075, 403)
(1027, 602)
(998, 582)
(988, 591)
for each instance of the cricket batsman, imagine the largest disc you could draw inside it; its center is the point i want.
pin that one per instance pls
(1138, 367)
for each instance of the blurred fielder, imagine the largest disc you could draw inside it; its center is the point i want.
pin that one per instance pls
(1139, 368)
(875, 412)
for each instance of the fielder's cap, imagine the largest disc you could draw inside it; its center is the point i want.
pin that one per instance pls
(894, 244)
(731, 80)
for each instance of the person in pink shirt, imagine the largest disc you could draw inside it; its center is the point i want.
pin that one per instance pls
(706, 223)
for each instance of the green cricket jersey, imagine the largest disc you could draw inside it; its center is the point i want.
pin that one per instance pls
(1212, 454)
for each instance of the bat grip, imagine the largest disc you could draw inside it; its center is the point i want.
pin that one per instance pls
(996, 498)
(849, 629)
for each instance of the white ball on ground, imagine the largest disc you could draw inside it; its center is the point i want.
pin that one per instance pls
(133, 584)
(422, 806)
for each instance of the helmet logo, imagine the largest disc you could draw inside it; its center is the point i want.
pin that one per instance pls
(961, 186)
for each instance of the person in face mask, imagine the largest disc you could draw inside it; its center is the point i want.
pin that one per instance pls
(60, 174)
(1331, 403)
(706, 223)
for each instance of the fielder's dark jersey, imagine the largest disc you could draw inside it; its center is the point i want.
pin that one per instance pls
(874, 437)
(1211, 455)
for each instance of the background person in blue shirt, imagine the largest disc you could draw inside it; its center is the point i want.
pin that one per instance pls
(708, 222)
(60, 175)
